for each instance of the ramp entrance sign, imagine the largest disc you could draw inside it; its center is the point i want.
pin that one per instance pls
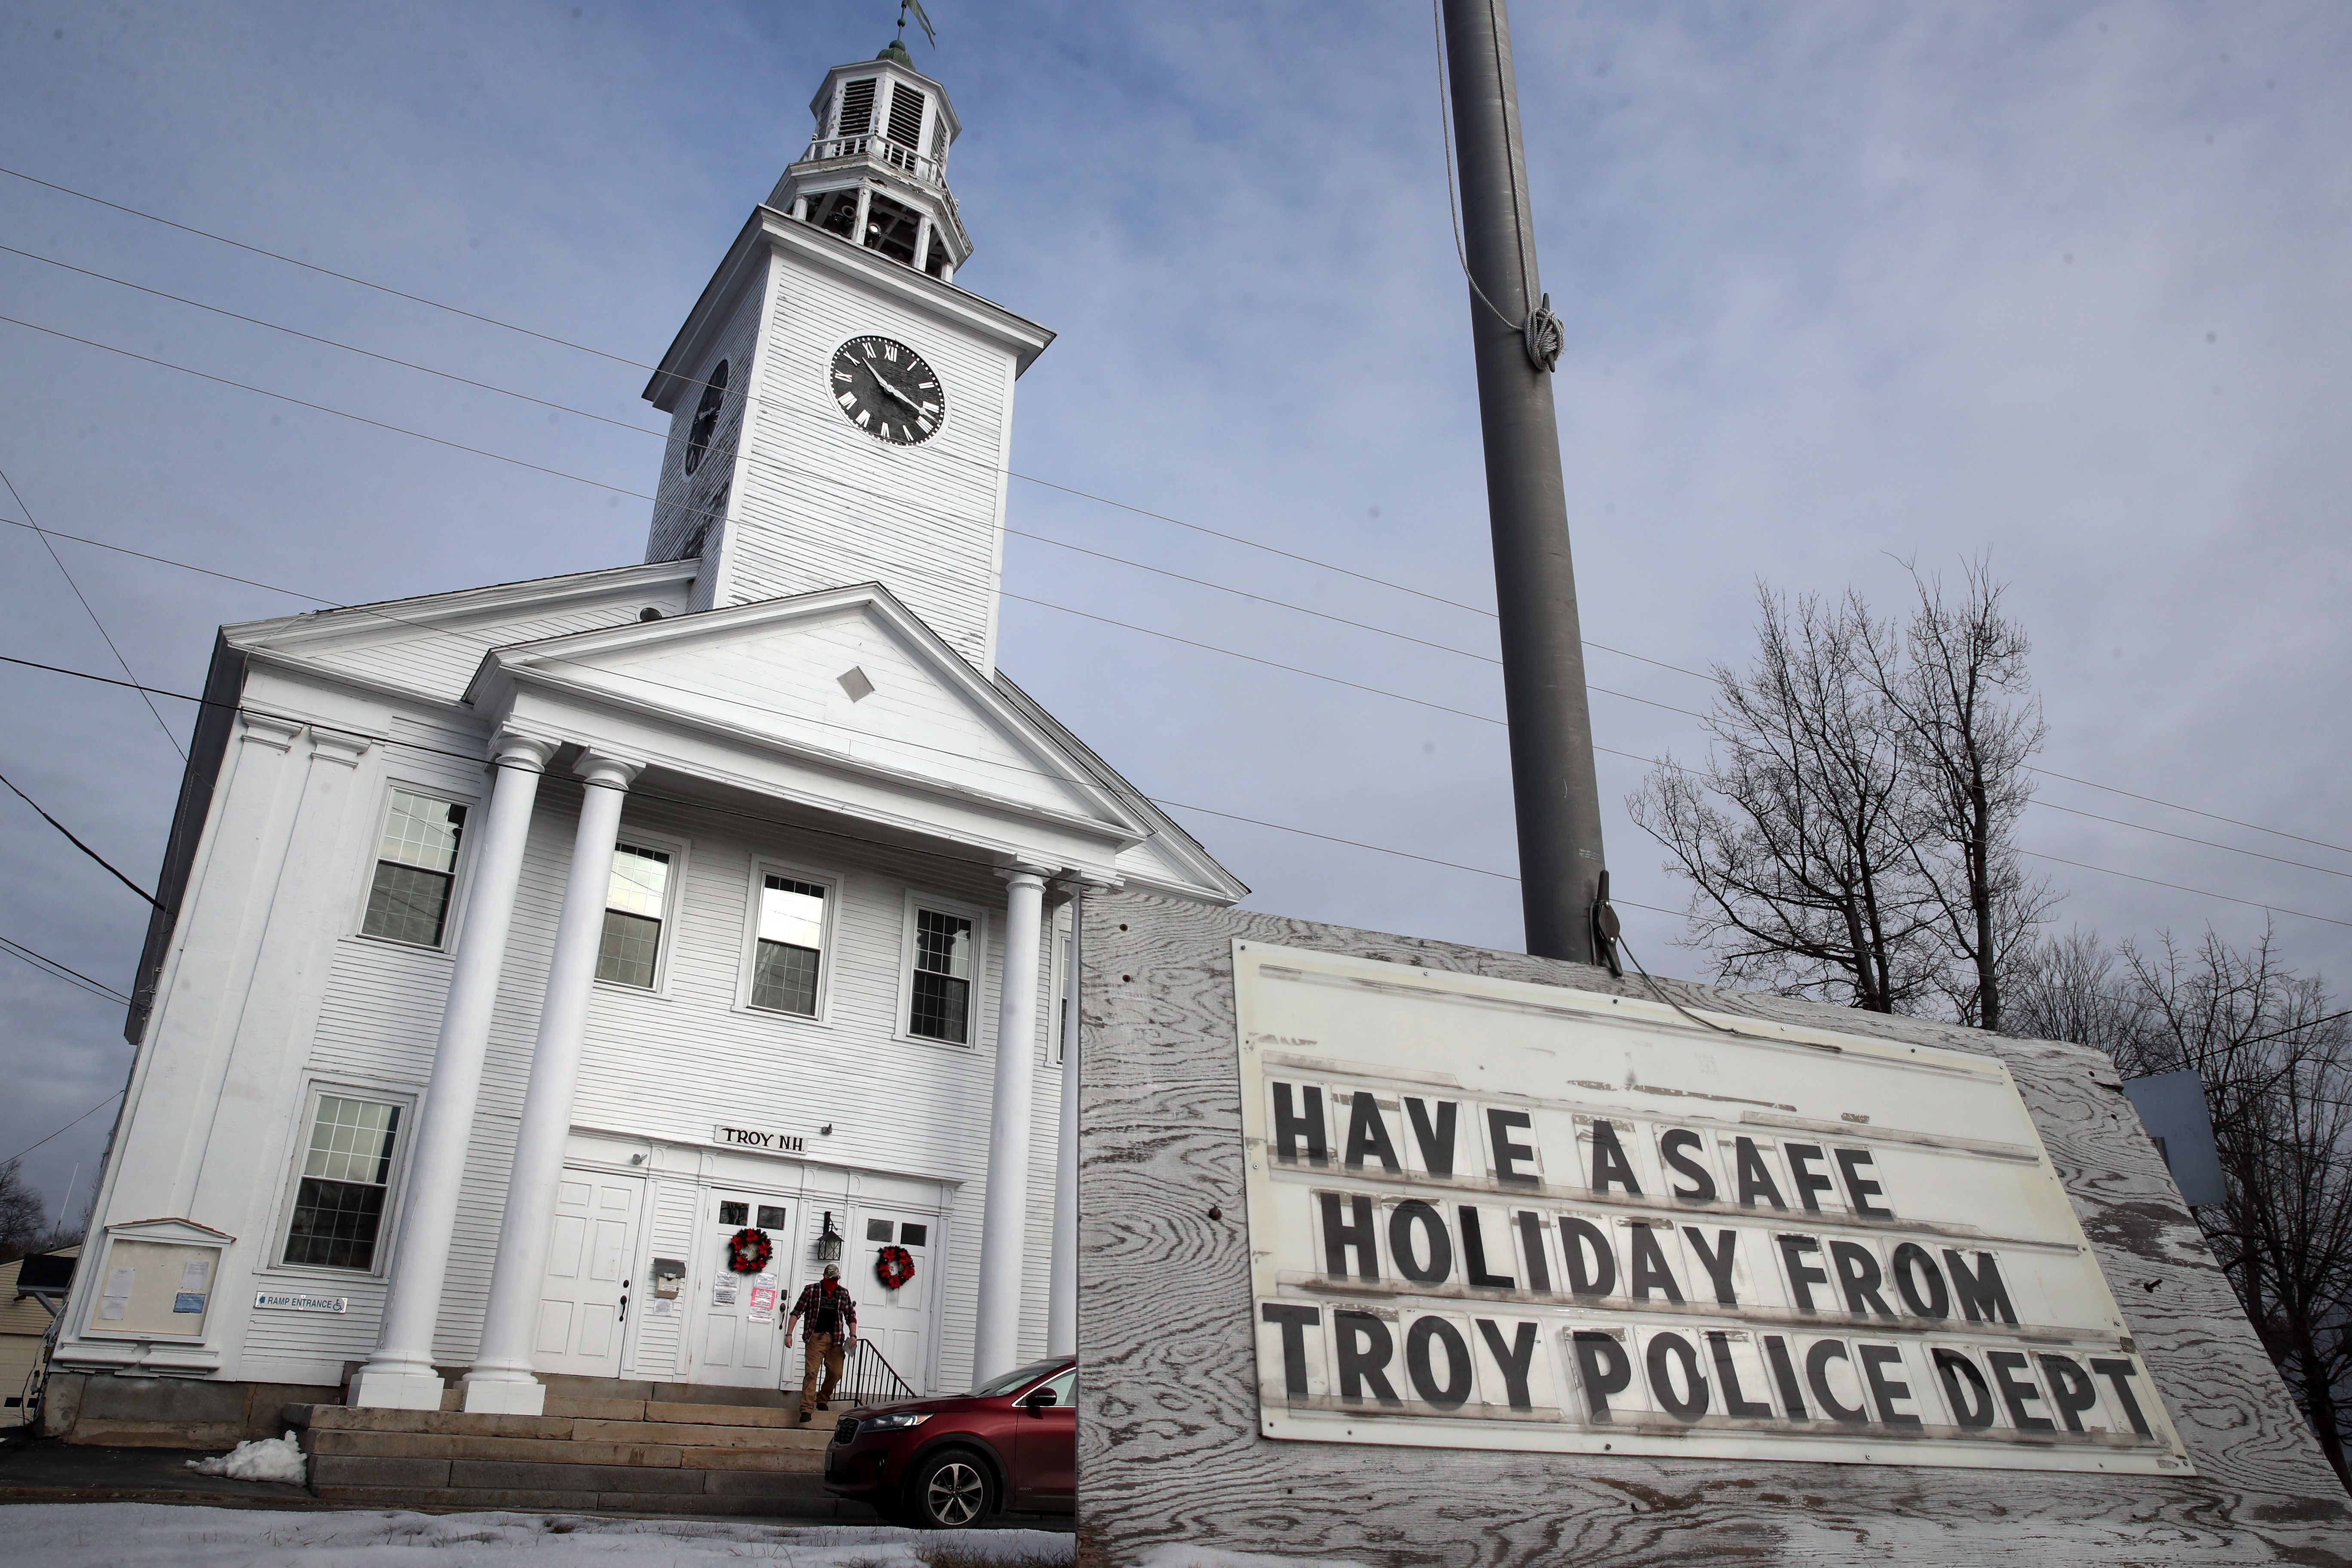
(1484, 1214)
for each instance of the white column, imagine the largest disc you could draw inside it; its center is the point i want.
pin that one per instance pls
(399, 1375)
(864, 206)
(501, 1381)
(1005, 1214)
(1062, 1310)
(922, 242)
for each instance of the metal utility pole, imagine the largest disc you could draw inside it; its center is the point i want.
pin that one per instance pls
(1517, 338)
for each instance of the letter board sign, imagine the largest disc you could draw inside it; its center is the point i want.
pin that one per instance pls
(1492, 1215)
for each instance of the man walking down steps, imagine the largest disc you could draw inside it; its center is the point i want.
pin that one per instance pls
(832, 1335)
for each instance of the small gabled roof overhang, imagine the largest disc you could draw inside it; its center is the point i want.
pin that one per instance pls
(580, 666)
(291, 634)
(767, 231)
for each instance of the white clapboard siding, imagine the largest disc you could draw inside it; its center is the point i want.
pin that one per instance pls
(672, 1063)
(819, 503)
(660, 1352)
(688, 503)
(436, 659)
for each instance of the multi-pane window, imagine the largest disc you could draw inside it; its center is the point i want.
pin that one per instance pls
(940, 1008)
(416, 867)
(346, 1173)
(633, 906)
(790, 949)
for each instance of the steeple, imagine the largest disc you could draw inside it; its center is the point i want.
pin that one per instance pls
(841, 411)
(876, 171)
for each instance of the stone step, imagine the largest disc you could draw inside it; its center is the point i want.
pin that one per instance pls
(818, 1506)
(523, 1474)
(800, 1458)
(682, 1426)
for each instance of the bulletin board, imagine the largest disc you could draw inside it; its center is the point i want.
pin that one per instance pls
(154, 1290)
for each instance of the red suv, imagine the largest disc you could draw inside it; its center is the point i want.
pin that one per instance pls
(940, 1464)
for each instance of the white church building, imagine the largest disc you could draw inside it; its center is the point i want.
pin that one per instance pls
(521, 947)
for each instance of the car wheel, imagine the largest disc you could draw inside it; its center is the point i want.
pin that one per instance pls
(949, 1490)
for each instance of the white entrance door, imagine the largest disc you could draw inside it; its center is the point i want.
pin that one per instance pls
(897, 1322)
(583, 1301)
(738, 1319)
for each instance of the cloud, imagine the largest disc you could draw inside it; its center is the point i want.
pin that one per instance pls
(2061, 282)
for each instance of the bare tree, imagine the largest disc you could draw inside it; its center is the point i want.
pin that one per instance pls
(22, 1228)
(2276, 1059)
(2064, 988)
(1960, 690)
(1793, 833)
(2275, 1054)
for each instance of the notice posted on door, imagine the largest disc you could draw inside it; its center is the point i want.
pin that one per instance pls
(1494, 1215)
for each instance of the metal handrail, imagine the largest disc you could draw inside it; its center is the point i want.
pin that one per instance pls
(873, 144)
(870, 1379)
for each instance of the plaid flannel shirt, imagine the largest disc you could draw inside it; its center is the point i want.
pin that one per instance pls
(812, 1300)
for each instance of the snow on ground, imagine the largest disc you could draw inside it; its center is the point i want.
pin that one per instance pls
(262, 1459)
(100, 1535)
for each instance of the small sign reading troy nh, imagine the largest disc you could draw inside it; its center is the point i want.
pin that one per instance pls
(752, 1138)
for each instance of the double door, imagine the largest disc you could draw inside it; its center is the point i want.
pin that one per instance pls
(739, 1318)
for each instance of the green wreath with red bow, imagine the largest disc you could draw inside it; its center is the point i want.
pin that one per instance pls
(894, 1266)
(749, 1250)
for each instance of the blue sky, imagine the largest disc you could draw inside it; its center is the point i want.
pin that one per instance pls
(1842, 283)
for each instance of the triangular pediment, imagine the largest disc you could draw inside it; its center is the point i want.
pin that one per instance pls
(847, 675)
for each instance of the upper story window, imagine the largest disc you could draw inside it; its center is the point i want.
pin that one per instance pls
(635, 907)
(907, 117)
(789, 955)
(940, 999)
(856, 108)
(346, 1174)
(415, 870)
(706, 417)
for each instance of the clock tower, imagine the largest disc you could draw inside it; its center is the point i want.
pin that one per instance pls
(841, 411)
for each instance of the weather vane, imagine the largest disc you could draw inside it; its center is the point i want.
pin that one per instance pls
(921, 21)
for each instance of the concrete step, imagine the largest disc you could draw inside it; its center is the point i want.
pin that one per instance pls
(682, 1426)
(726, 1458)
(805, 1459)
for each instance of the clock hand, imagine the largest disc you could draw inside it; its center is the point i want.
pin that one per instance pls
(909, 403)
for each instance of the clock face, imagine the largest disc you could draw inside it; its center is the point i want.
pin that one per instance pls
(886, 390)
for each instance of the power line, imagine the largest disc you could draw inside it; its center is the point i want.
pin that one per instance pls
(56, 971)
(68, 1127)
(2185, 838)
(313, 267)
(1029, 479)
(1245, 594)
(2180, 888)
(992, 467)
(485, 646)
(88, 610)
(332, 343)
(782, 822)
(77, 843)
(2176, 806)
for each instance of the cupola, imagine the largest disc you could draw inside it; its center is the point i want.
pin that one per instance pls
(875, 172)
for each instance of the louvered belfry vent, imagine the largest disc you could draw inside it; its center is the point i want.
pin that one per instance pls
(858, 108)
(907, 117)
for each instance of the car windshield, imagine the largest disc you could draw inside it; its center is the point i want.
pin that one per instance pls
(1012, 1381)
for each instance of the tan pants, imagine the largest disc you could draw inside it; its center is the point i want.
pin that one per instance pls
(824, 1350)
